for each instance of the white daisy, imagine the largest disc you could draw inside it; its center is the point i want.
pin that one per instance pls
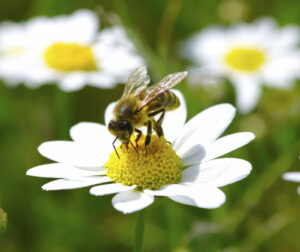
(187, 171)
(292, 176)
(68, 50)
(249, 55)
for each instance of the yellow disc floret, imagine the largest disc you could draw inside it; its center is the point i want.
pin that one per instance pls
(70, 57)
(245, 59)
(148, 169)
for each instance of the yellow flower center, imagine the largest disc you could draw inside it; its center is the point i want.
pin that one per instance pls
(245, 59)
(159, 166)
(70, 57)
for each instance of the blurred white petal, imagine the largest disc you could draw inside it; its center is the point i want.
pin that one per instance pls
(292, 176)
(248, 92)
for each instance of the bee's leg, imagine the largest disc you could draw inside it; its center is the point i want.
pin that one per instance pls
(157, 125)
(149, 132)
(154, 113)
(113, 144)
(161, 118)
(139, 134)
(158, 129)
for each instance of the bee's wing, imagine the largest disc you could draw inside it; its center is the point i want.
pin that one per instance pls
(164, 85)
(137, 82)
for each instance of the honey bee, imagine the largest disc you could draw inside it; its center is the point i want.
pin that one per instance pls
(139, 104)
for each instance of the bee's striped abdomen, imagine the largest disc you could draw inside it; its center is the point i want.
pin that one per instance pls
(167, 100)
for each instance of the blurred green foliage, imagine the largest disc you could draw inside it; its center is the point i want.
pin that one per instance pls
(261, 212)
(3, 221)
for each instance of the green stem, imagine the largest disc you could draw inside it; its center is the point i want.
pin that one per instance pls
(139, 231)
(63, 112)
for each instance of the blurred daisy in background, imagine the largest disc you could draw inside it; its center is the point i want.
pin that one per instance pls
(292, 176)
(249, 55)
(68, 50)
(187, 171)
(13, 45)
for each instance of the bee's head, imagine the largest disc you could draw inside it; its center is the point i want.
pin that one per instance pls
(121, 129)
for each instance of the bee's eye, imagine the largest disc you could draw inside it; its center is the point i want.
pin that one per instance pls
(126, 125)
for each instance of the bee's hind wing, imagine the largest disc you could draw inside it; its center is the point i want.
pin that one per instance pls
(137, 82)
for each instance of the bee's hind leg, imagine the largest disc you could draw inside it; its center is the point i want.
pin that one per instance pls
(139, 134)
(157, 124)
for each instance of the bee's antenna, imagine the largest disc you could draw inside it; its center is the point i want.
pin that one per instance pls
(133, 147)
(113, 144)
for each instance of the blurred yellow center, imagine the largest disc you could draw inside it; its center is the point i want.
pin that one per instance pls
(14, 51)
(245, 59)
(159, 166)
(70, 57)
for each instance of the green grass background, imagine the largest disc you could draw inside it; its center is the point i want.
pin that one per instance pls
(261, 212)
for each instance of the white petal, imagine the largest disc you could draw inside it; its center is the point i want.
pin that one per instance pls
(90, 133)
(194, 155)
(58, 170)
(282, 70)
(204, 128)
(131, 201)
(109, 112)
(94, 136)
(66, 184)
(218, 172)
(109, 189)
(227, 144)
(287, 38)
(292, 176)
(198, 195)
(73, 81)
(205, 46)
(168, 190)
(248, 92)
(74, 154)
(174, 120)
(88, 23)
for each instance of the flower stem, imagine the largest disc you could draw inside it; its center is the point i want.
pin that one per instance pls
(63, 112)
(139, 231)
